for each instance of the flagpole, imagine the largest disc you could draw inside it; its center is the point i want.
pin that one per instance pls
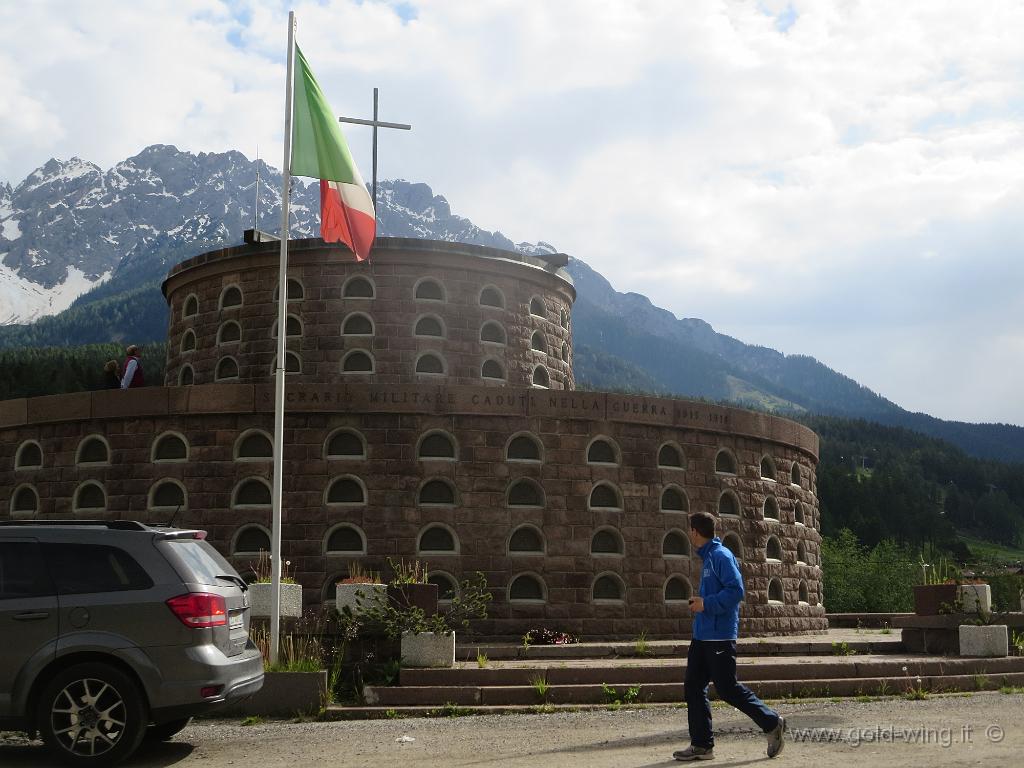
(281, 365)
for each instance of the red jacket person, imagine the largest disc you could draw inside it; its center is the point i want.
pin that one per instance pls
(132, 376)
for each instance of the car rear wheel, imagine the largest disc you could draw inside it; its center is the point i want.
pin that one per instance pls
(165, 731)
(91, 714)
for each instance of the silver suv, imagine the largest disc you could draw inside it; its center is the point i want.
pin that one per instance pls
(114, 631)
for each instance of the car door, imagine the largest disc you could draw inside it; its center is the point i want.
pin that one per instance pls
(28, 618)
(105, 597)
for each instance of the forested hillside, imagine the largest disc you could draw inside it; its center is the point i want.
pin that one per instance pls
(891, 483)
(36, 371)
(687, 357)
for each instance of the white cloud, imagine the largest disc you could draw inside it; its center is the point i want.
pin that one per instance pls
(762, 165)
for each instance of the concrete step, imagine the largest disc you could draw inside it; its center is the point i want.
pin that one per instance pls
(669, 692)
(340, 712)
(583, 681)
(652, 671)
(809, 645)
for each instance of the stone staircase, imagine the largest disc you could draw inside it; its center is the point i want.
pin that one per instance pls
(541, 678)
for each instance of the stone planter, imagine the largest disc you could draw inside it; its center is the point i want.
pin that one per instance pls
(345, 594)
(987, 641)
(930, 598)
(975, 598)
(259, 600)
(428, 649)
(284, 694)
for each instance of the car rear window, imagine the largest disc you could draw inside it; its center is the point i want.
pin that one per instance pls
(204, 562)
(79, 569)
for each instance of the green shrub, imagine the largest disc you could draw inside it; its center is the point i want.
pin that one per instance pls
(1006, 591)
(857, 579)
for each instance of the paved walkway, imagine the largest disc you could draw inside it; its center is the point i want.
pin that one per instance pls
(983, 729)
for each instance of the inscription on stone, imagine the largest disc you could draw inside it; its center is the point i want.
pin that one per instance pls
(416, 398)
(579, 404)
(311, 397)
(696, 415)
(498, 400)
(638, 407)
(574, 402)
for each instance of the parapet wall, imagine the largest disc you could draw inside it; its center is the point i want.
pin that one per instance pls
(567, 536)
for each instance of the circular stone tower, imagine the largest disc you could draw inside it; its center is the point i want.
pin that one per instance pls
(431, 414)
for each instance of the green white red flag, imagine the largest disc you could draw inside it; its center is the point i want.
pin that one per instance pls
(319, 150)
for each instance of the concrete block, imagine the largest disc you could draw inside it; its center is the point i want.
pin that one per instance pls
(283, 694)
(428, 649)
(987, 641)
(975, 598)
(259, 600)
(345, 594)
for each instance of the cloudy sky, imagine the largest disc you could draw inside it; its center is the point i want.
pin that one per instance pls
(838, 178)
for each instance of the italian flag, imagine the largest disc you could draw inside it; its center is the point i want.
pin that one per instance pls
(319, 150)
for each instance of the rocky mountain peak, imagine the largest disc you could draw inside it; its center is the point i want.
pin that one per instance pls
(70, 225)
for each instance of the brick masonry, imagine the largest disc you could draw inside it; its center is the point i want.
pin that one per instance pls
(392, 411)
(398, 268)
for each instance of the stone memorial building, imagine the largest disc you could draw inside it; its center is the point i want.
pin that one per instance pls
(431, 414)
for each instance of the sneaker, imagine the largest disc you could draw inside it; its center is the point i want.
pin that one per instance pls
(777, 738)
(694, 753)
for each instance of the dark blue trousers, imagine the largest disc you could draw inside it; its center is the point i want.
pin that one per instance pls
(714, 661)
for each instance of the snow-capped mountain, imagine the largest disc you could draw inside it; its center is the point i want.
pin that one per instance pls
(71, 225)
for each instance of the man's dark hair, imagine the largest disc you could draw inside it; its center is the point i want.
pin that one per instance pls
(703, 523)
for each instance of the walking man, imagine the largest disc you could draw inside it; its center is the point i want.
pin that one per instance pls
(712, 654)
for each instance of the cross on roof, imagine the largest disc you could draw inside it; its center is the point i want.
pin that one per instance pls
(376, 124)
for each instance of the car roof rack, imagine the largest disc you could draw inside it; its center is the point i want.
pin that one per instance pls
(117, 525)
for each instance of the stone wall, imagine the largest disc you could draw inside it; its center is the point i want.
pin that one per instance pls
(391, 423)
(224, 313)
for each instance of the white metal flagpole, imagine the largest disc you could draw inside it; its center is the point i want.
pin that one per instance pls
(281, 365)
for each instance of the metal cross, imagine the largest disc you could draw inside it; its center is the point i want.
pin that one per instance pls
(376, 124)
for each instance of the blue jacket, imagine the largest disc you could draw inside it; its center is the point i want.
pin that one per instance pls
(721, 586)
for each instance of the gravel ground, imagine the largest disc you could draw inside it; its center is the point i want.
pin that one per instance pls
(954, 730)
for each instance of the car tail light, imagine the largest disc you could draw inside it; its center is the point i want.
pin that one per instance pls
(210, 691)
(200, 609)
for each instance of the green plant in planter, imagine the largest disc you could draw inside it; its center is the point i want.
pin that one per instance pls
(264, 570)
(469, 602)
(414, 572)
(940, 572)
(299, 650)
(359, 575)
(955, 606)
(984, 619)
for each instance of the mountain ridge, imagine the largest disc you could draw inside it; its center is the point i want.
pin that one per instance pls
(122, 229)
